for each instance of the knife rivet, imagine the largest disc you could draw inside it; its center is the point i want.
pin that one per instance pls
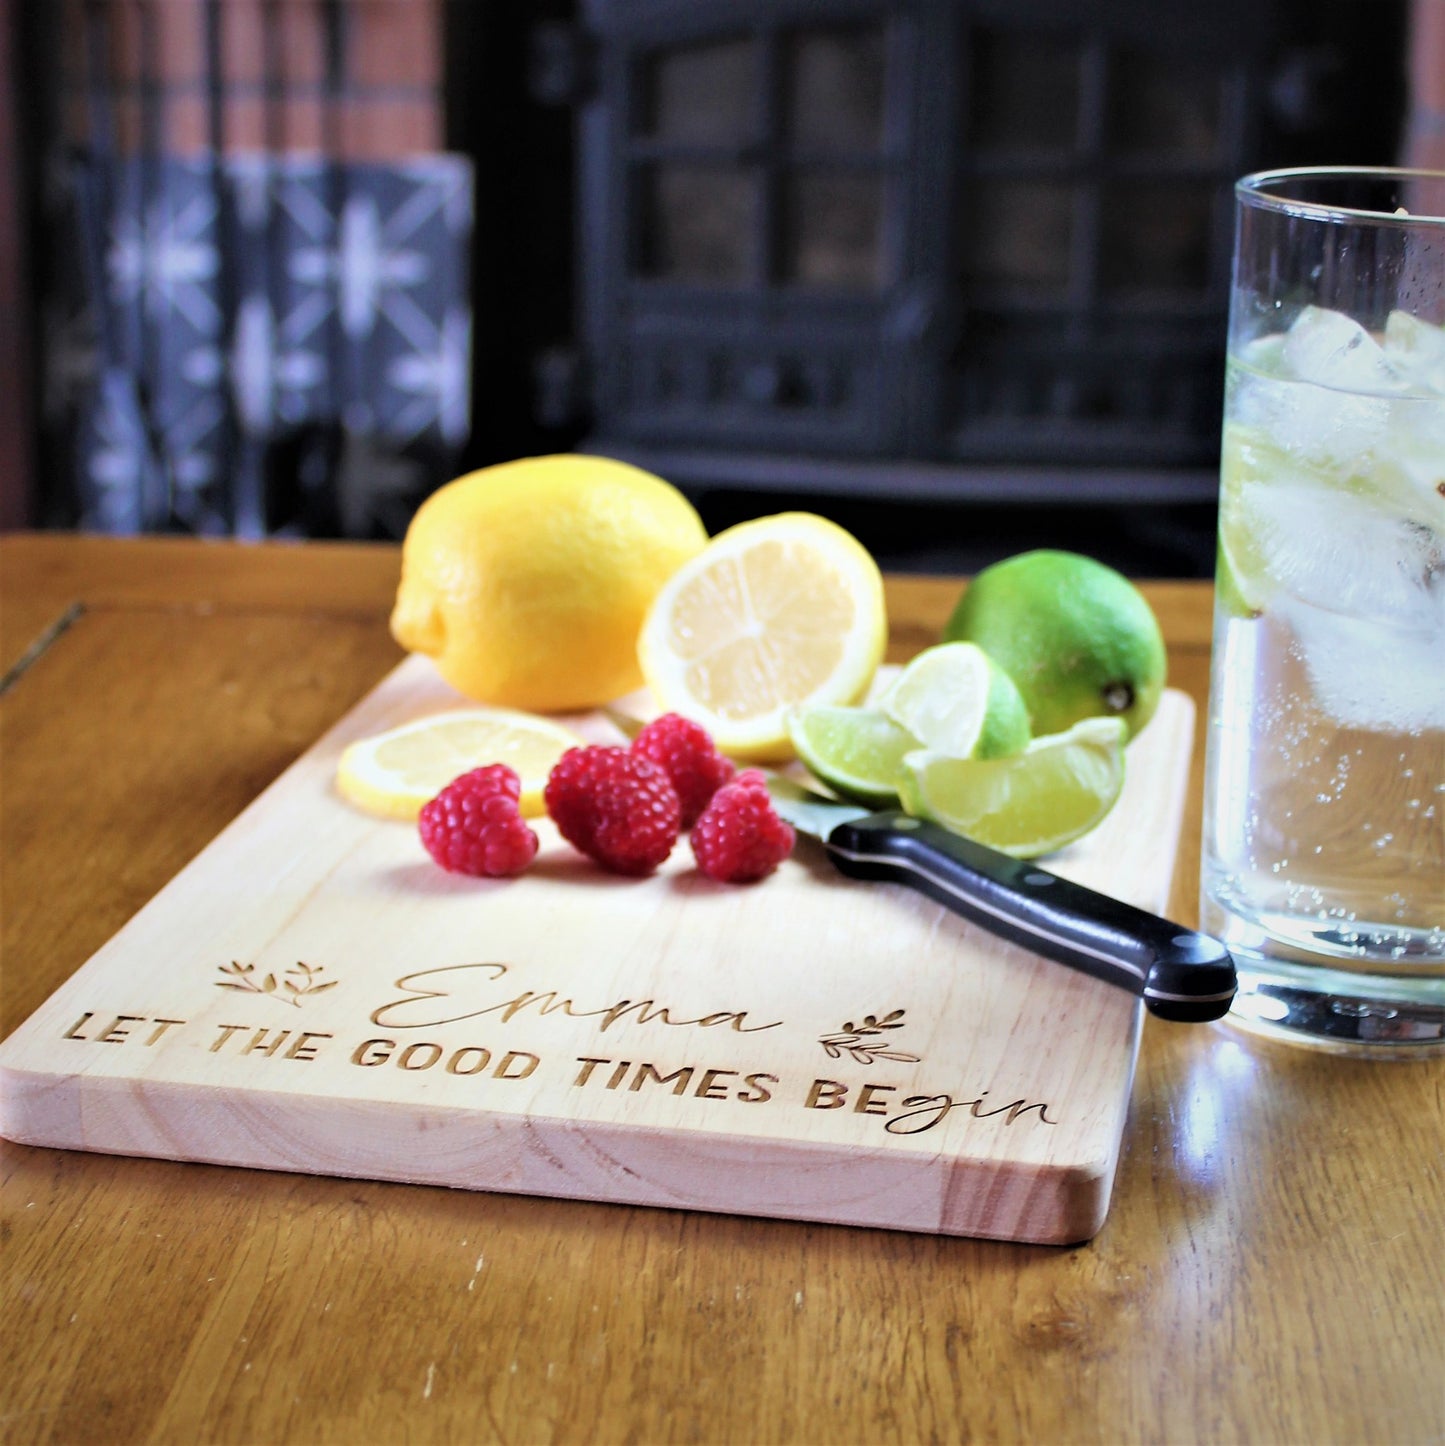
(905, 821)
(1038, 880)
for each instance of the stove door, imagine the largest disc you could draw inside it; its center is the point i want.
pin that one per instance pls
(751, 194)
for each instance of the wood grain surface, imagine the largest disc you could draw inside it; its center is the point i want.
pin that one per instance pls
(663, 1041)
(1270, 1270)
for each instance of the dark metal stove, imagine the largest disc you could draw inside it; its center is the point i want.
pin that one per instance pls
(936, 250)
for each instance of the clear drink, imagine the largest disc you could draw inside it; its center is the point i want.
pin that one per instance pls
(1324, 838)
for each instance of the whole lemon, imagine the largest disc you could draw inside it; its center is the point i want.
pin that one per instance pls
(1077, 637)
(528, 581)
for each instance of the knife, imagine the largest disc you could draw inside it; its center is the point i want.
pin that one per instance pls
(1180, 974)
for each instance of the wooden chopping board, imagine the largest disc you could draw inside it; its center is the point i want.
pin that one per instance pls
(311, 993)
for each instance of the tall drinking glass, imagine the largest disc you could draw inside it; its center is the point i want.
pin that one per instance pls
(1324, 829)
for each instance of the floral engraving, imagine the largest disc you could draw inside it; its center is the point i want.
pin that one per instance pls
(855, 1040)
(294, 985)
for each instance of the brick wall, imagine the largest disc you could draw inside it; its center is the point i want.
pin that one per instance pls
(358, 80)
(1425, 134)
(16, 455)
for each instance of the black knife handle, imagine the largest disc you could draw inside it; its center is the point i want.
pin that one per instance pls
(1180, 974)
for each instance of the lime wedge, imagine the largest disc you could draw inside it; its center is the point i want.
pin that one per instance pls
(857, 752)
(1250, 471)
(1229, 591)
(1029, 804)
(956, 700)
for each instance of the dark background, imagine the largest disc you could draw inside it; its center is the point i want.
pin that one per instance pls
(1329, 84)
(1332, 74)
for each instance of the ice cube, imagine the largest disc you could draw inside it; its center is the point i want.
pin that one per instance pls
(1365, 675)
(1347, 408)
(1343, 552)
(1330, 349)
(1410, 467)
(1363, 591)
(1326, 430)
(1415, 351)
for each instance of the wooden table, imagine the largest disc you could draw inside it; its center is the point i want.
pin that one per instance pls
(1271, 1270)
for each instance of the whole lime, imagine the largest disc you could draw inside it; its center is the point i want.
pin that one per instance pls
(1078, 638)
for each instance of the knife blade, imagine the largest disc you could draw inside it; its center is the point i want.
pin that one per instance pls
(1180, 974)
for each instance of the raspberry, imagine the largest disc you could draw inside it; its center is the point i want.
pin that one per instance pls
(739, 837)
(685, 752)
(616, 806)
(473, 826)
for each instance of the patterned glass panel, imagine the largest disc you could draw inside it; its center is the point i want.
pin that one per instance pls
(702, 95)
(1017, 233)
(697, 223)
(1024, 92)
(836, 90)
(831, 235)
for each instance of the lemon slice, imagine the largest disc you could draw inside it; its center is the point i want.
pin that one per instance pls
(955, 699)
(773, 613)
(1032, 803)
(857, 752)
(396, 772)
(1249, 471)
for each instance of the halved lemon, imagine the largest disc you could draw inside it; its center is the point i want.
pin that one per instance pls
(773, 613)
(394, 773)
